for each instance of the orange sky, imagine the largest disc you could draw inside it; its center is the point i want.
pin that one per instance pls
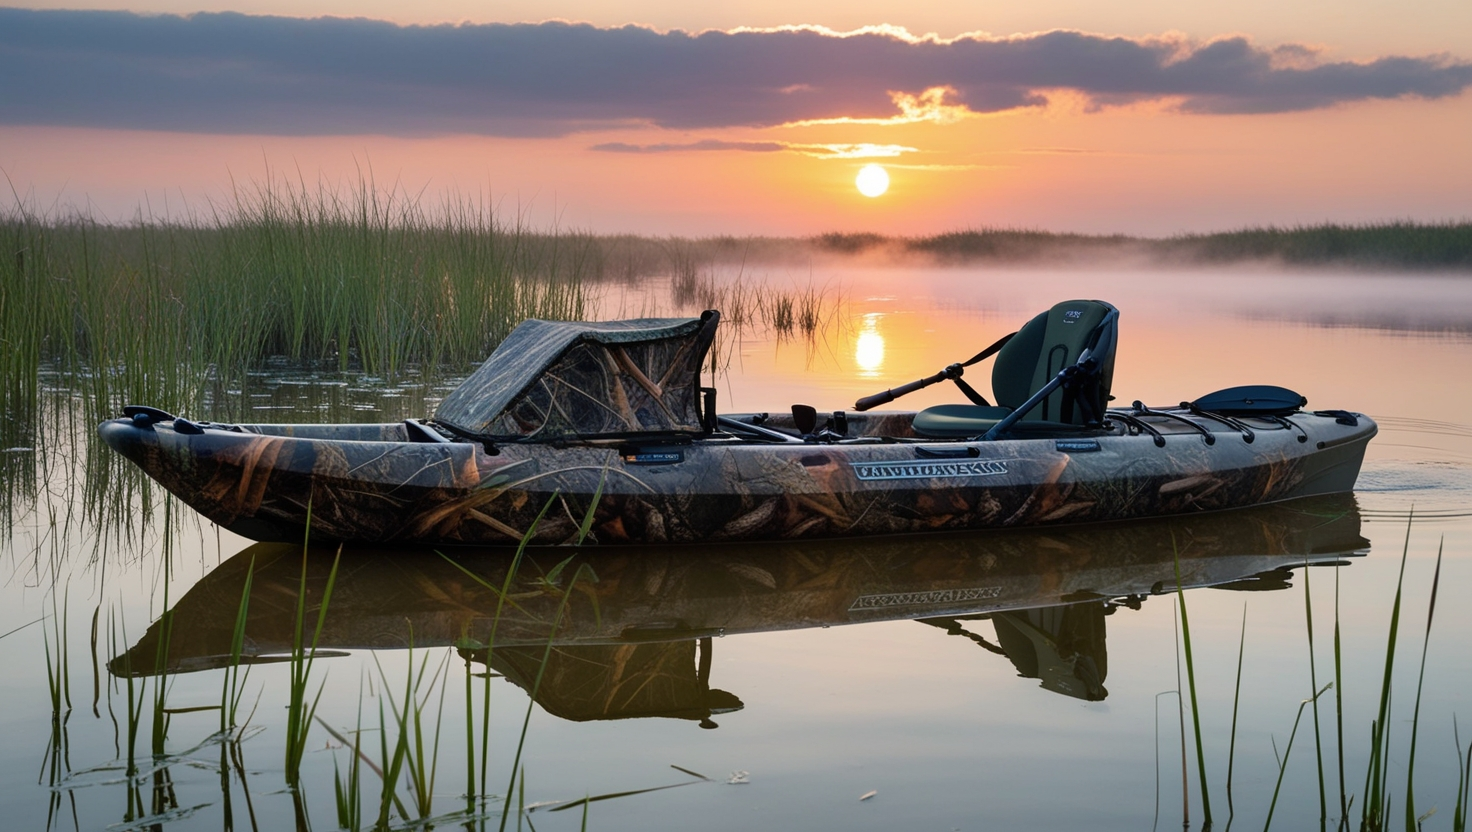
(1074, 163)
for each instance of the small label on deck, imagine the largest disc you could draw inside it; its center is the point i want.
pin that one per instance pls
(655, 458)
(1077, 446)
(927, 470)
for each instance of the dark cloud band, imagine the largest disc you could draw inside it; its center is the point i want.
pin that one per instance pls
(238, 73)
(703, 144)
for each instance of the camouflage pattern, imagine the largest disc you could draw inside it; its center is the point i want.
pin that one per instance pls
(633, 635)
(371, 484)
(552, 380)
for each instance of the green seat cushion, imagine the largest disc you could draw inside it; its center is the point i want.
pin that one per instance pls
(952, 420)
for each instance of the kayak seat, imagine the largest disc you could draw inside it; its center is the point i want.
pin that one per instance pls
(1036, 353)
(957, 421)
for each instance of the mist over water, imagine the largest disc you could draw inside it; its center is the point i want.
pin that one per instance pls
(962, 723)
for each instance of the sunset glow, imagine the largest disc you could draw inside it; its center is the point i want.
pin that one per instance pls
(742, 122)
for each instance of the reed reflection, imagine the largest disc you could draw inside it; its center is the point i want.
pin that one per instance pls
(637, 641)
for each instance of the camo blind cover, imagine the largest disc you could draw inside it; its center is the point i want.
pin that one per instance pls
(550, 380)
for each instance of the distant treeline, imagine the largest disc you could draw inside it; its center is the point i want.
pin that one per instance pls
(1390, 245)
(1400, 245)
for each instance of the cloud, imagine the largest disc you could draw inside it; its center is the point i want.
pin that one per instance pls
(929, 105)
(273, 75)
(703, 144)
(821, 151)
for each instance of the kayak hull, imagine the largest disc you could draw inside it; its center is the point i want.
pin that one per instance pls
(370, 483)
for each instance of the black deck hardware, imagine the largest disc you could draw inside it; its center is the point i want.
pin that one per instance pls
(947, 453)
(1142, 410)
(1247, 434)
(1139, 426)
(1289, 424)
(1342, 417)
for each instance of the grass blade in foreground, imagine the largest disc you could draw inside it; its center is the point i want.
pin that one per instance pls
(1411, 823)
(1236, 701)
(1313, 678)
(299, 713)
(1191, 684)
(1288, 749)
(1375, 808)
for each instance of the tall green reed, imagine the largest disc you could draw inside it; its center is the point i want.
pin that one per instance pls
(299, 712)
(1375, 807)
(502, 594)
(231, 685)
(1339, 707)
(418, 765)
(1411, 821)
(1191, 684)
(160, 723)
(1464, 781)
(1313, 678)
(1287, 750)
(1236, 701)
(348, 792)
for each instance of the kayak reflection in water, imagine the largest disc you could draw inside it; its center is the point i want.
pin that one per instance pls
(630, 629)
(617, 681)
(1062, 646)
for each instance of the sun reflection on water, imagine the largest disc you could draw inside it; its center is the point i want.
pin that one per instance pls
(869, 347)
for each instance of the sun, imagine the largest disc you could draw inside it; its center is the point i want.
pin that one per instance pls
(872, 180)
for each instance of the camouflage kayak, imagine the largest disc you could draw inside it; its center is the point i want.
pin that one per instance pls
(605, 425)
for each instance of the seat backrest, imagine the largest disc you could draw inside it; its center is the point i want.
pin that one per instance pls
(1043, 347)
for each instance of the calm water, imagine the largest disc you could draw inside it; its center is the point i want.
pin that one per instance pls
(1037, 691)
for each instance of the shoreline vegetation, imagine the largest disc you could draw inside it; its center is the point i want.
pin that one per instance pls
(386, 282)
(1392, 246)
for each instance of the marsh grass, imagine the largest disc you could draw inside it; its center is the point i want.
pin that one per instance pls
(1464, 781)
(1191, 684)
(1375, 805)
(163, 309)
(160, 722)
(1287, 750)
(582, 571)
(1339, 707)
(1411, 821)
(408, 759)
(348, 793)
(1313, 677)
(299, 711)
(468, 647)
(1376, 797)
(231, 683)
(57, 763)
(1236, 703)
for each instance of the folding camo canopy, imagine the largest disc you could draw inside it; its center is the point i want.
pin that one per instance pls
(558, 380)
